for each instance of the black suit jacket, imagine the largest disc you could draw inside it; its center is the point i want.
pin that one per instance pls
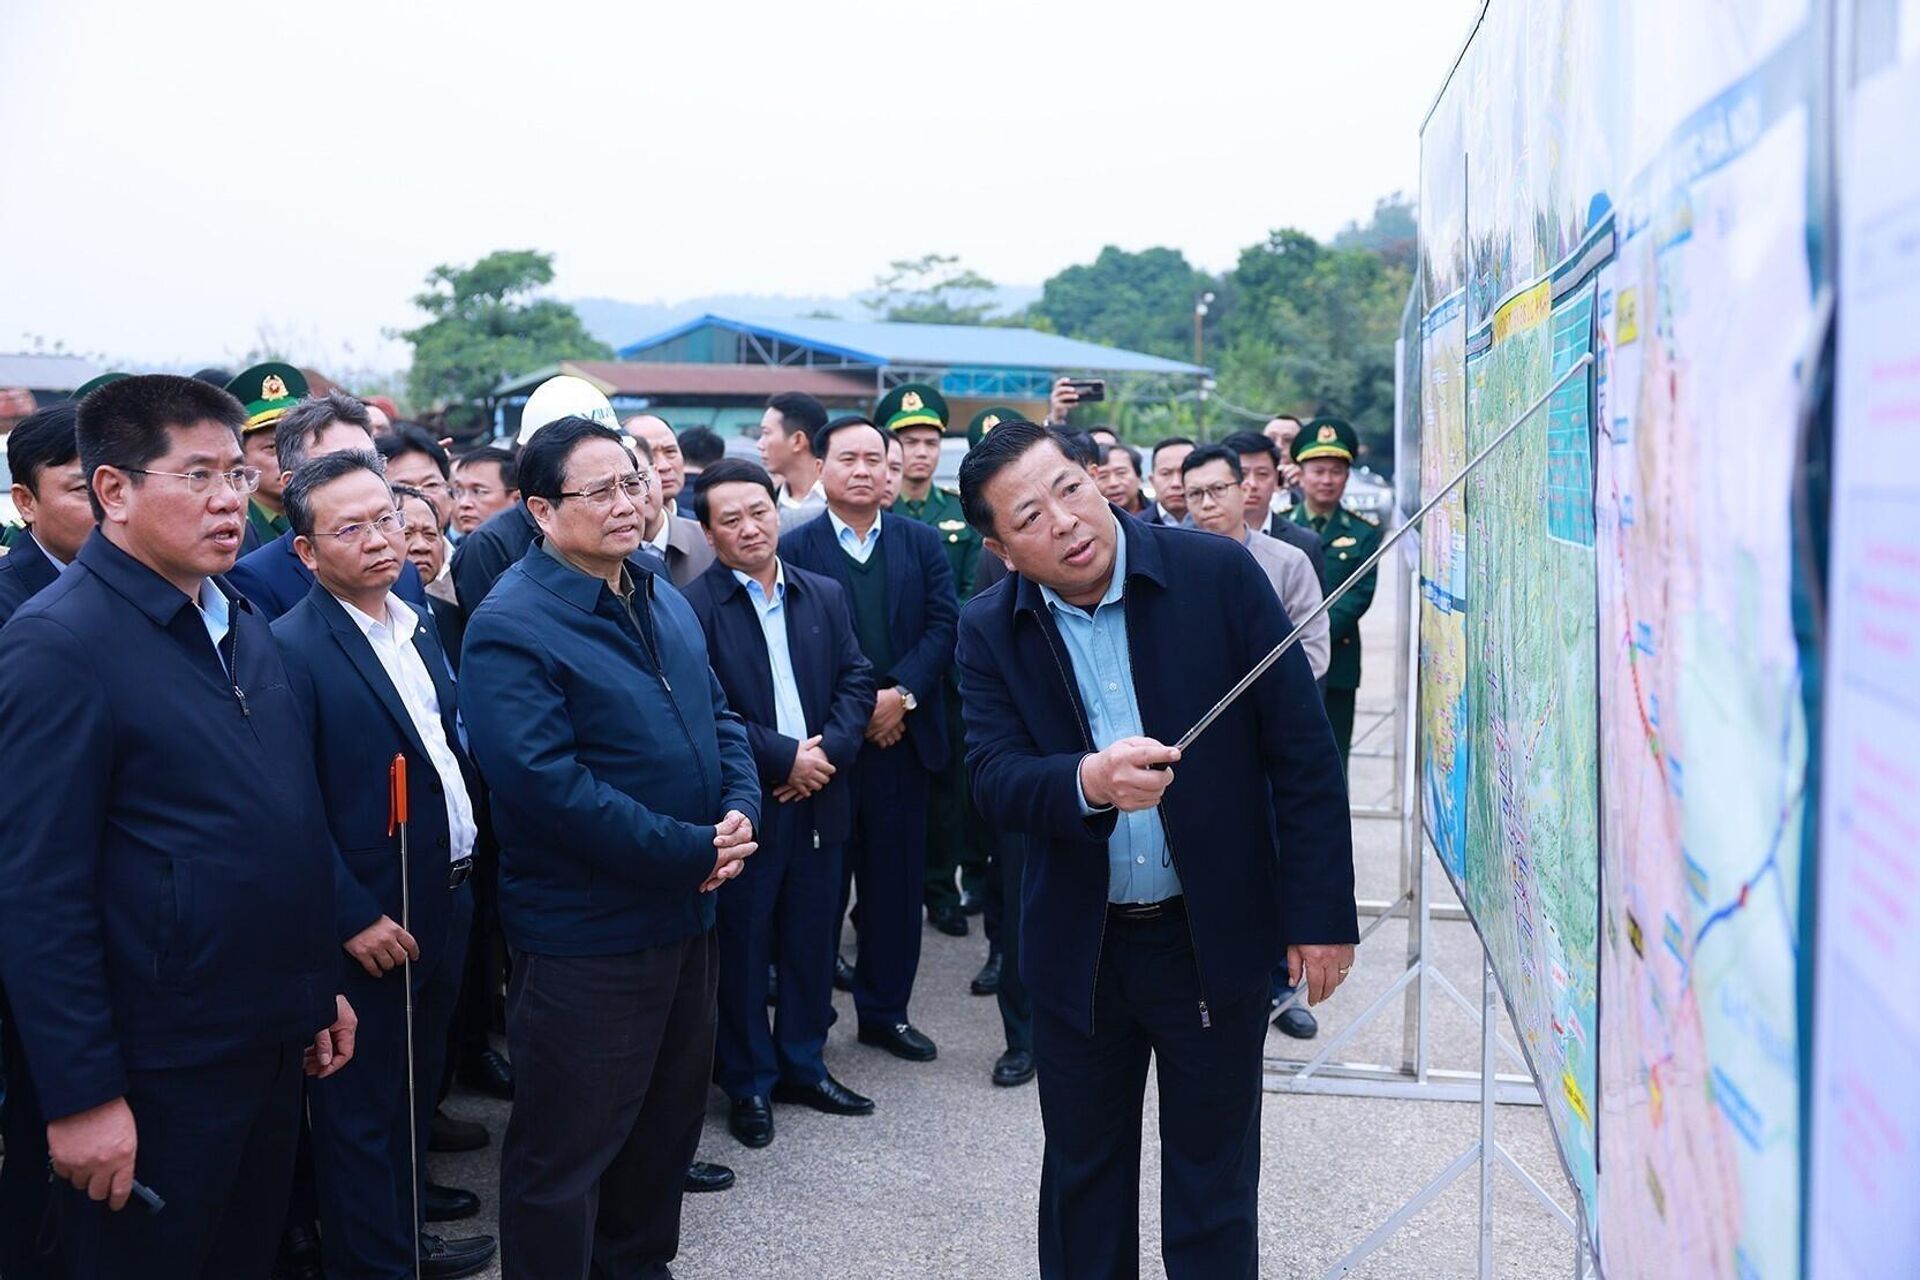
(24, 572)
(274, 579)
(358, 724)
(835, 679)
(922, 607)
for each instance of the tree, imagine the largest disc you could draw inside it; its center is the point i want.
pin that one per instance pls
(486, 325)
(1141, 301)
(931, 289)
(1393, 233)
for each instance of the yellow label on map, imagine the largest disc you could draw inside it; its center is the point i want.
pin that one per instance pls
(1626, 325)
(1575, 1099)
(1523, 311)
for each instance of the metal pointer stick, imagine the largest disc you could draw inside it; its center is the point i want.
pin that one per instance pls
(1293, 637)
(397, 820)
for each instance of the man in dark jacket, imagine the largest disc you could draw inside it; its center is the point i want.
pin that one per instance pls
(900, 589)
(373, 683)
(172, 970)
(783, 646)
(623, 792)
(1161, 889)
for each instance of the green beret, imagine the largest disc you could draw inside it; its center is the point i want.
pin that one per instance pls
(92, 385)
(1326, 438)
(989, 418)
(911, 404)
(268, 391)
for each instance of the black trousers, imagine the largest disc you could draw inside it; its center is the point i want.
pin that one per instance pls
(612, 1056)
(780, 909)
(887, 856)
(475, 1013)
(1147, 1009)
(29, 1247)
(216, 1142)
(362, 1164)
(1016, 1008)
(957, 839)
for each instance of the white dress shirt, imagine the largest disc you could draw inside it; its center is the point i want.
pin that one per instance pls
(392, 641)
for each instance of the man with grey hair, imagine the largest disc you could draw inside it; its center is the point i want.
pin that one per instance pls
(273, 578)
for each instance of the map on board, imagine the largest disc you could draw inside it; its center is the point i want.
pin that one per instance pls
(1443, 586)
(1532, 804)
(1703, 735)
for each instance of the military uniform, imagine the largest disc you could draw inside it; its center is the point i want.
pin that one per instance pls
(1347, 538)
(267, 391)
(955, 841)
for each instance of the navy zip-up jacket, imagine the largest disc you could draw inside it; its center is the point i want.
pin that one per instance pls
(1256, 816)
(168, 879)
(609, 754)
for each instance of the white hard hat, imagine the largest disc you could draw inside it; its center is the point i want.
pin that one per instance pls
(564, 396)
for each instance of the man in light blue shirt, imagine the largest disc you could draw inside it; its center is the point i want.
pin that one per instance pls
(1139, 865)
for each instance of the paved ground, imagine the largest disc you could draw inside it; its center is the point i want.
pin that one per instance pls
(942, 1181)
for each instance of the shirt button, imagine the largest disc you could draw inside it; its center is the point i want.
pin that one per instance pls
(1142, 860)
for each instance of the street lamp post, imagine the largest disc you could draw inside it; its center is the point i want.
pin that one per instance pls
(1200, 305)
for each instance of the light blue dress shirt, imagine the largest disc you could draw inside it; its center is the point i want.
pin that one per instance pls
(853, 544)
(216, 613)
(1139, 864)
(789, 717)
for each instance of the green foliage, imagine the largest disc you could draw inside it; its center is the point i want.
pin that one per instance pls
(1141, 301)
(486, 325)
(931, 289)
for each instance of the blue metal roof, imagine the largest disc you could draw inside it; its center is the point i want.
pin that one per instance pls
(884, 343)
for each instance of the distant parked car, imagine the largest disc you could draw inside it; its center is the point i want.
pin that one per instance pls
(1369, 494)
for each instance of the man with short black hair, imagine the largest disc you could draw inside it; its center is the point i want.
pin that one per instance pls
(1260, 470)
(170, 983)
(1120, 479)
(1283, 429)
(417, 460)
(273, 577)
(623, 792)
(485, 482)
(700, 448)
(676, 539)
(782, 644)
(1162, 886)
(50, 492)
(1169, 500)
(373, 684)
(791, 454)
(900, 588)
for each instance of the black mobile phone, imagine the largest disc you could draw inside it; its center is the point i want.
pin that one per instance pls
(1087, 390)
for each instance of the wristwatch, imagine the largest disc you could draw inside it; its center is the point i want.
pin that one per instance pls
(907, 699)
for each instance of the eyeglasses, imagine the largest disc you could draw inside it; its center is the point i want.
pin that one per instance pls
(478, 492)
(1212, 493)
(392, 522)
(634, 485)
(200, 479)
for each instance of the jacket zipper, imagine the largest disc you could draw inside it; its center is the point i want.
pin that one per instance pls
(1166, 828)
(1086, 735)
(233, 667)
(648, 647)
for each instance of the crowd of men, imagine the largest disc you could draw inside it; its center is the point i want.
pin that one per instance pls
(338, 755)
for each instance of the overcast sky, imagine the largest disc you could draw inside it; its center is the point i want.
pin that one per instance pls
(174, 179)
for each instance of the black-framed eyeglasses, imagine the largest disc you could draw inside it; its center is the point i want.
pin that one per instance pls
(634, 484)
(1211, 493)
(392, 522)
(242, 480)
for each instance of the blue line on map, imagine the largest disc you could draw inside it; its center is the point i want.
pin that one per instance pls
(1739, 1112)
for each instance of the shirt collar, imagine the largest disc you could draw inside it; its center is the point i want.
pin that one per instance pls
(752, 584)
(786, 499)
(548, 565)
(844, 531)
(400, 620)
(660, 540)
(52, 559)
(214, 604)
(1116, 585)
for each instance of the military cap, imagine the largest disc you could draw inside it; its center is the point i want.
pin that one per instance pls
(92, 385)
(1326, 438)
(267, 391)
(989, 418)
(911, 404)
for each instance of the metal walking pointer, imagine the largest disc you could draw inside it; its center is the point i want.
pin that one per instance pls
(1293, 637)
(397, 821)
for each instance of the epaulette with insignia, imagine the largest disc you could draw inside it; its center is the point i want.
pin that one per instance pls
(1362, 517)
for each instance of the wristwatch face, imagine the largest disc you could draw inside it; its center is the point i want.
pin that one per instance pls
(907, 698)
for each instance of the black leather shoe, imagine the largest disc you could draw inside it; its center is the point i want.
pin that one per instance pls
(299, 1255)
(445, 1133)
(488, 1072)
(829, 1096)
(842, 974)
(444, 1259)
(948, 920)
(751, 1121)
(449, 1204)
(702, 1176)
(972, 903)
(987, 981)
(1295, 1022)
(773, 986)
(1014, 1067)
(901, 1039)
